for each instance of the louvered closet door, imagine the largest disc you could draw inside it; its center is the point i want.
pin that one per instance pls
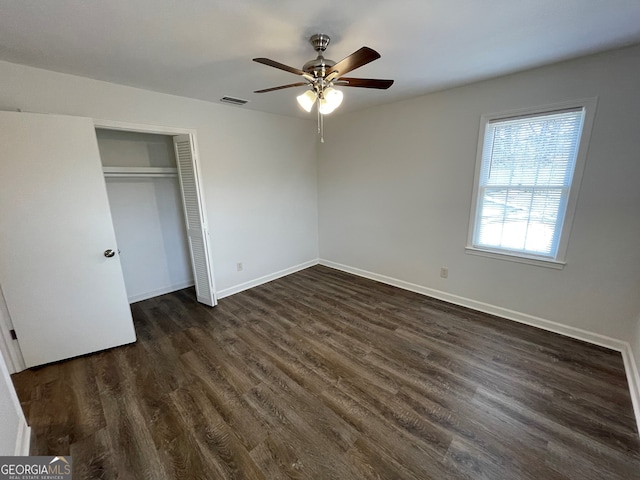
(196, 227)
(59, 268)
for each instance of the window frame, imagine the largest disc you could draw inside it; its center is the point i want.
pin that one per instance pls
(588, 105)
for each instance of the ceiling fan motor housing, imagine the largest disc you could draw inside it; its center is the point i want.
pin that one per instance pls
(319, 42)
(315, 67)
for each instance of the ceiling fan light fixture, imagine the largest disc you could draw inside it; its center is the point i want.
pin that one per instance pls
(321, 73)
(307, 100)
(331, 100)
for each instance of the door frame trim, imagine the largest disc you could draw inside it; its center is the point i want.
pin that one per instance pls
(173, 131)
(142, 127)
(9, 347)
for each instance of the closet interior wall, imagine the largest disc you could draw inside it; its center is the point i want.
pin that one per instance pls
(147, 212)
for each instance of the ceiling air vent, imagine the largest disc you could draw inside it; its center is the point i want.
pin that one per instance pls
(233, 100)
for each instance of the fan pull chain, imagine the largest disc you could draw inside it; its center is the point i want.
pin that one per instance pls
(320, 121)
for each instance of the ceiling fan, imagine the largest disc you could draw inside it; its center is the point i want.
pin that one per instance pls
(321, 75)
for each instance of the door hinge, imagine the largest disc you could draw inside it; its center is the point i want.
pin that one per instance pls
(13, 335)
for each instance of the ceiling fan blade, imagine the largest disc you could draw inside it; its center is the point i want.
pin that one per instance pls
(299, 84)
(281, 66)
(365, 83)
(356, 59)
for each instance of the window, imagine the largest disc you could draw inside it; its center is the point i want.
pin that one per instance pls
(527, 176)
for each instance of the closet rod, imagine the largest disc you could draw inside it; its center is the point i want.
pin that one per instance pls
(139, 175)
(132, 172)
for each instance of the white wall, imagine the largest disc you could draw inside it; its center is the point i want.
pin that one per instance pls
(395, 188)
(150, 231)
(133, 149)
(147, 215)
(259, 170)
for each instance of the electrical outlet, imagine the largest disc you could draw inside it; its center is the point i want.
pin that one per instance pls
(444, 272)
(239, 266)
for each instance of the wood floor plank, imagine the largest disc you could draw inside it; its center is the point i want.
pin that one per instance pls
(416, 456)
(216, 442)
(324, 375)
(92, 457)
(298, 446)
(295, 397)
(249, 427)
(131, 444)
(374, 464)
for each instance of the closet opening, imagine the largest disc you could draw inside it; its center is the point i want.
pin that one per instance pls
(157, 212)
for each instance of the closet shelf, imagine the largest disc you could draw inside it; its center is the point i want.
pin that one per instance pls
(139, 172)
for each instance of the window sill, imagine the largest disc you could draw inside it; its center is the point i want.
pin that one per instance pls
(540, 262)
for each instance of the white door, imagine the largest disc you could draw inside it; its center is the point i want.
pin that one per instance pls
(194, 214)
(65, 293)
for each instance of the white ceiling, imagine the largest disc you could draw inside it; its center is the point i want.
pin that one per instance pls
(203, 48)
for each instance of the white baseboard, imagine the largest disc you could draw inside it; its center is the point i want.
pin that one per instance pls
(23, 440)
(267, 278)
(621, 346)
(160, 291)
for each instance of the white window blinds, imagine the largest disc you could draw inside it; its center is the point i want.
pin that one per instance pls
(525, 178)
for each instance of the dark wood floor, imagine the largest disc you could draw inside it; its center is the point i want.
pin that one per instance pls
(323, 375)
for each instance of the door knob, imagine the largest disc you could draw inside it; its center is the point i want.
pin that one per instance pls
(109, 253)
